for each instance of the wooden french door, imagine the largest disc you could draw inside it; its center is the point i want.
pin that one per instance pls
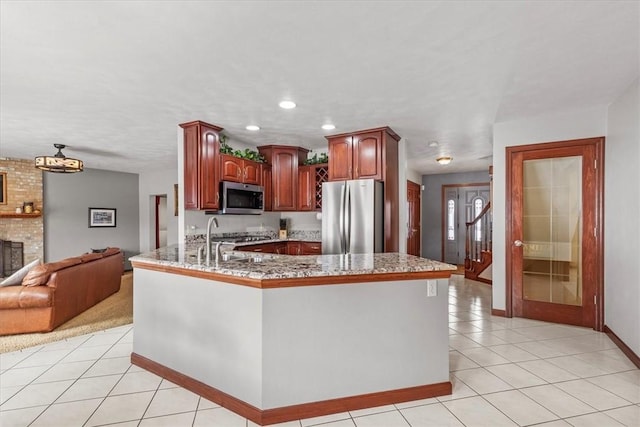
(554, 232)
(413, 225)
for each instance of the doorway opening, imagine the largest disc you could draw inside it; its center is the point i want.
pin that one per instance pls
(160, 223)
(413, 219)
(461, 203)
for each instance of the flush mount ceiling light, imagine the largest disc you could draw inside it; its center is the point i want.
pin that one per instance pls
(59, 162)
(287, 105)
(252, 127)
(445, 160)
(328, 126)
(433, 143)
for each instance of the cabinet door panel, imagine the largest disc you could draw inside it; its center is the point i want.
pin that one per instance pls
(367, 155)
(191, 160)
(252, 172)
(209, 170)
(340, 158)
(294, 248)
(231, 168)
(285, 188)
(311, 248)
(306, 188)
(267, 184)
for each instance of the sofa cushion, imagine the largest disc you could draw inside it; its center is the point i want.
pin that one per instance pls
(23, 297)
(110, 251)
(90, 257)
(16, 278)
(39, 275)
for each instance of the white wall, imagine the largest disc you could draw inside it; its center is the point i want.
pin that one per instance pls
(558, 126)
(622, 213)
(155, 184)
(403, 214)
(308, 221)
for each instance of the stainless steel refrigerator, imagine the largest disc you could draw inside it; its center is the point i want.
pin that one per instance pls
(352, 217)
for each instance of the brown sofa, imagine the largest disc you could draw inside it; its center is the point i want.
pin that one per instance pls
(53, 293)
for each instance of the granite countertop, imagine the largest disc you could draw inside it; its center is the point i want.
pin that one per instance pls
(250, 265)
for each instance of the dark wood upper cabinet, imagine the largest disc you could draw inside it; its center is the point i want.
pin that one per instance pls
(284, 161)
(252, 172)
(240, 170)
(367, 156)
(201, 165)
(359, 155)
(310, 179)
(370, 154)
(340, 158)
(267, 184)
(305, 183)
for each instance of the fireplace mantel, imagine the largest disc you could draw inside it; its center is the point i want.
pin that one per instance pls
(19, 215)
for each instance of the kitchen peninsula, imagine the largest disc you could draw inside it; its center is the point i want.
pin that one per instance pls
(278, 337)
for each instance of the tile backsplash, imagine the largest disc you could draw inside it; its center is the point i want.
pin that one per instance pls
(301, 225)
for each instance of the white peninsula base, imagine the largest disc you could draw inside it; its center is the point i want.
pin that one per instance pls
(274, 355)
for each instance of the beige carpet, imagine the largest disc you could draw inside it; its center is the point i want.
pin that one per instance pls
(114, 311)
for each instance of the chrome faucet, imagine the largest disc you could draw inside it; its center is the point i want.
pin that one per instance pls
(213, 220)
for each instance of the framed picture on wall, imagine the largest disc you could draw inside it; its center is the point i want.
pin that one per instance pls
(102, 217)
(3, 188)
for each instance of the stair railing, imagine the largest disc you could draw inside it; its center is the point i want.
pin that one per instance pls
(478, 236)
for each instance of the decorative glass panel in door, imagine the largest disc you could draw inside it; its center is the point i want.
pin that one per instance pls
(552, 230)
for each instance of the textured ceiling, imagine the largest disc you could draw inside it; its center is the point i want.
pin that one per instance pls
(113, 79)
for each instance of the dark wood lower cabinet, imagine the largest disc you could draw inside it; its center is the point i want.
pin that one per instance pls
(285, 248)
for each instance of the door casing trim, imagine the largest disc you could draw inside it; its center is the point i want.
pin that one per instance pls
(598, 142)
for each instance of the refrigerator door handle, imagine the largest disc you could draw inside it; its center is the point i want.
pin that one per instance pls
(347, 234)
(342, 218)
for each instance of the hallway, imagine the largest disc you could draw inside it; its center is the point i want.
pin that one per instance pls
(505, 372)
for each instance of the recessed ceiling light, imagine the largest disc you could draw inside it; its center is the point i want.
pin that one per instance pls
(445, 160)
(328, 126)
(287, 105)
(252, 127)
(433, 143)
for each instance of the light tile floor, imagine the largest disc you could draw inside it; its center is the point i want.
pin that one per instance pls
(504, 372)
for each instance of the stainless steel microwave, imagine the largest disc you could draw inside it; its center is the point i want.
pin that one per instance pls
(241, 199)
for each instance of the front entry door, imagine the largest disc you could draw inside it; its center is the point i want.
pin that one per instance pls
(554, 231)
(461, 204)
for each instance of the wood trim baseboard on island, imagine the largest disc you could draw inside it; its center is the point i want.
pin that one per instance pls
(635, 359)
(498, 312)
(294, 412)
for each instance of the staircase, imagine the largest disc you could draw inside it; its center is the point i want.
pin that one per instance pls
(478, 257)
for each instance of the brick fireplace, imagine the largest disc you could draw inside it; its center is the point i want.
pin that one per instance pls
(11, 257)
(23, 184)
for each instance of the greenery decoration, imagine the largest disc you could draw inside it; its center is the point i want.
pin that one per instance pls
(243, 154)
(315, 160)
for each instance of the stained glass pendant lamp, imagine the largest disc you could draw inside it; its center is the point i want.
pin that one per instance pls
(59, 162)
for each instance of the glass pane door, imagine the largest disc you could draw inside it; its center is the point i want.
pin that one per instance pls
(552, 230)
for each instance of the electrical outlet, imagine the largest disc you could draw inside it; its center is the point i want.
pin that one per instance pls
(432, 288)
